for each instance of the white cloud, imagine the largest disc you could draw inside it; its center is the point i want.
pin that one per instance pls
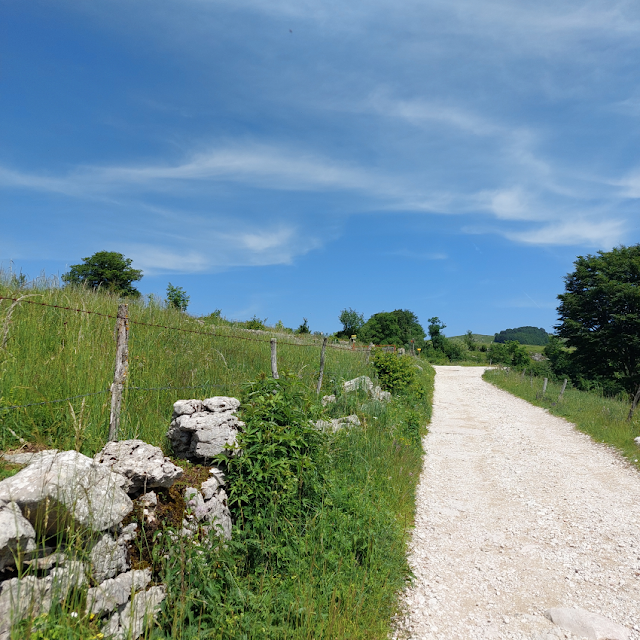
(576, 231)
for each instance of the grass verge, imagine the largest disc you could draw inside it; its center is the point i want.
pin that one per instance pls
(601, 417)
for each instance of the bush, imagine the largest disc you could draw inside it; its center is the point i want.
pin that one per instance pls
(256, 324)
(396, 374)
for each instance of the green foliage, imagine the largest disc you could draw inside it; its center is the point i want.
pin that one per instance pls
(330, 566)
(470, 341)
(600, 317)
(108, 270)
(303, 328)
(256, 324)
(177, 297)
(395, 373)
(397, 327)
(280, 447)
(352, 322)
(523, 335)
(511, 353)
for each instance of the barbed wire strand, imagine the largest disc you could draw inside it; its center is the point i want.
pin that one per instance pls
(162, 326)
(96, 393)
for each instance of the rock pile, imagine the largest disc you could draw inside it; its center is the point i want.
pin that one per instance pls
(201, 429)
(364, 382)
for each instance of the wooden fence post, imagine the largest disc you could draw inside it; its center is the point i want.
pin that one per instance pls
(544, 386)
(564, 386)
(322, 354)
(274, 358)
(121, 369)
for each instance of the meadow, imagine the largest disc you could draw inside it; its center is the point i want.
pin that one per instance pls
(326, 562)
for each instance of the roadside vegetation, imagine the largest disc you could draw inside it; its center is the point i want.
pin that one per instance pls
(321, 519)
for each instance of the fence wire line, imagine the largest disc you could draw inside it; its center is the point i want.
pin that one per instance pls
(162, 326)
(86, 395)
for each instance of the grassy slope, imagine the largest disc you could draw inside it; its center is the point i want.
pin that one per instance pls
(54, 353)
(604, 419)
(341, 572)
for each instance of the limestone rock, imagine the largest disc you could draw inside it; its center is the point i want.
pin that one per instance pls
(26, 458)
(144, 465)
(31, 596)
(587, 625)
(116, 592)
(214, 511)
(338, 423)
(205, 432)
(17, 536)
(136, 616)
(328, 400)
(379, 394)
(211, 486)
(61, 489)
(108, 558)
(361, 382)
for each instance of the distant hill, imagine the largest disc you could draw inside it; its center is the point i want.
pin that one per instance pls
(523, 335)
(478, 337)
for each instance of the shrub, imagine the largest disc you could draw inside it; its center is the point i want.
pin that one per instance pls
(395, 373)
(256, 324)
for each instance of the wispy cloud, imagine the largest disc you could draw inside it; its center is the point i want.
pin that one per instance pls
(577, 231)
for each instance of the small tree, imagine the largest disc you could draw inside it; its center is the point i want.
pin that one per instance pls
(303, 328)
(107, 269)
(352, 322)
(470, 341)
(435, 333)
(177, 297)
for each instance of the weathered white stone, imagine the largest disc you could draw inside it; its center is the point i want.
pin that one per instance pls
(637, 440)
(144, 465)
(31, 596)
(116, 592)
(379, 394)
(61, 489)
(328, 400)
(186, 407)
(48, 562)
(217, 515)
(587, 625)
(211, 486)
(17, 536)
(204, 434)
(221, 404)
(108, 558)
(136, 616)
(128, 533)
(338, 423)
(361, 382)
(26, 458)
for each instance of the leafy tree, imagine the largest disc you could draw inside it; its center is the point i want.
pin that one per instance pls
(511, 353)
(303, 328)
(599, 316)
(352, 322)
(177, 297)
(523, 335)
(107, 269)
(435, 333)
(397, 327)
(256, 324)
(470, 341)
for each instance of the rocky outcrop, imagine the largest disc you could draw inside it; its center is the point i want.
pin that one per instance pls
(144, 465)
(136, 615)
(65, 489)
(115, 592)
(364, 383)
(17, 536)
(338, 423)
(201, 429)
(208, 508)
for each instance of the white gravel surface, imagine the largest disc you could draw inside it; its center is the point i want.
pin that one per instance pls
(517, 512)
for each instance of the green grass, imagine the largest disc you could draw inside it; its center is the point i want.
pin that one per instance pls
(332, 571)
(54, 354)
(603, 418)
(478, 337)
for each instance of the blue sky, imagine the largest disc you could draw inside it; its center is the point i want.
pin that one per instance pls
(292, 158)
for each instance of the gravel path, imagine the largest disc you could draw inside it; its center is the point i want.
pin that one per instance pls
(517, 512)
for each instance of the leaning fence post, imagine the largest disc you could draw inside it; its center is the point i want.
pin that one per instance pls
(564, 386)
(121, 368)
(322, 353)
(274, 358)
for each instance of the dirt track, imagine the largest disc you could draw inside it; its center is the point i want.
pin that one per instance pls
(517, 512)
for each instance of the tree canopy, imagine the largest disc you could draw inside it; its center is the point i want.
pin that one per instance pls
(523, 335)
(352, 322)
(107, 269)
(599, 316)
(397, 327)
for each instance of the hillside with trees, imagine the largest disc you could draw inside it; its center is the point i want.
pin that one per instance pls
(523, 335)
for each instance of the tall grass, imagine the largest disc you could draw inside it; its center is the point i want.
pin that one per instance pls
(603, 418)
(53, 354)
